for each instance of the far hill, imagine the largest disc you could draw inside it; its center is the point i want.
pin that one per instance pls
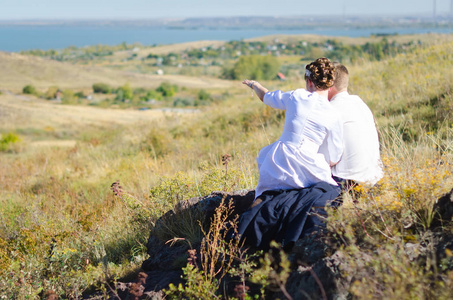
(19, 70)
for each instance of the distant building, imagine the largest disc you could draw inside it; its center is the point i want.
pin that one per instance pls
(281, 77)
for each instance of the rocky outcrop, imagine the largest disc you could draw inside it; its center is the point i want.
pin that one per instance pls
(319, 267)
(161, 255)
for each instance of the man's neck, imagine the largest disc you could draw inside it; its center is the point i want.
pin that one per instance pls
(333, 96)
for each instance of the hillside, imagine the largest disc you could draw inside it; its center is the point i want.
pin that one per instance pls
(75, 216)
(19, 70)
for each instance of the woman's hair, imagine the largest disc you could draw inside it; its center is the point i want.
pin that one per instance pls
(321, 72)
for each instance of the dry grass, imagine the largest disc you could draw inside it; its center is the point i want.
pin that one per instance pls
(426, 38)
(62, 193)
(19, 70)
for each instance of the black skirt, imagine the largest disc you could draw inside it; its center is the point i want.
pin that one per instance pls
(285, 216)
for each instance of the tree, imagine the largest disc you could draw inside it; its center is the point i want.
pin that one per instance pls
(29, 89)
(101, 88)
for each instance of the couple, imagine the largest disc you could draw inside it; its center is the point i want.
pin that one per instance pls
(329, 137)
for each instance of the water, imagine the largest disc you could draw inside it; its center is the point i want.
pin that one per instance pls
(14, 38)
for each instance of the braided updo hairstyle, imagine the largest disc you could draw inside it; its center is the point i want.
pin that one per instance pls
(321, 72)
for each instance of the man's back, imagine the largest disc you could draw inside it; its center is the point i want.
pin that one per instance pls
(361, 158)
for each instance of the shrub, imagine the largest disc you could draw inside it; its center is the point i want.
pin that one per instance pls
(182, 102)
(101, 88)
(7, 140)
(29, 89)
(124, 93)
(167, 89)
(152, 94)
(80, 95)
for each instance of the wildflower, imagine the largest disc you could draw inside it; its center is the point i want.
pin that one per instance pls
(117, 189)
(192, 259)
(226, 159)
(240, 291)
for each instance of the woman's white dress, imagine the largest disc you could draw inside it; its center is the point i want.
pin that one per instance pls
(293, 160)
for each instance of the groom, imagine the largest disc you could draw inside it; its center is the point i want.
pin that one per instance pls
(361, 161)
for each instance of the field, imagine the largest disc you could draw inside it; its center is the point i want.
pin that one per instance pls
(62, 229)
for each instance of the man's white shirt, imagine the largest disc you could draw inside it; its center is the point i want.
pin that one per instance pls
(361, 159)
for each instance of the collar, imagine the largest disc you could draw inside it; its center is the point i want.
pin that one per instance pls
(339, 95)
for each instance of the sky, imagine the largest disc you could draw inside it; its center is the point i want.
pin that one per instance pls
(151, 9)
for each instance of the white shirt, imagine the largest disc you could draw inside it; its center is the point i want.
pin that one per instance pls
(293, 160)
(361, 159)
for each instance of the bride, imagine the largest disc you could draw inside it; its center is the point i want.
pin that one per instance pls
(293, 161)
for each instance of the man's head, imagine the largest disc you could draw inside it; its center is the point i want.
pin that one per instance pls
(341, 80)
(319, 75)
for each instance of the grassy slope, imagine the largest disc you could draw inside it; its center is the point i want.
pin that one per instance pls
(64, 192)
(19, 70)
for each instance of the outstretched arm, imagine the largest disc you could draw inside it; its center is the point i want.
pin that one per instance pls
(257, 87)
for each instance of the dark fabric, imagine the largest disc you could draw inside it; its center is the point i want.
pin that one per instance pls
(345, 184)
(285, 215)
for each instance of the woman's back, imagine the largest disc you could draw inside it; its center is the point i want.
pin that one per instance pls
(308, 117)
(293, 161)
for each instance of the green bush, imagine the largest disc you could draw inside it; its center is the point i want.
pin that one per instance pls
(183, 102)
(6, 140)
(80, 95)
(167, 89)
(203, 95)
(152, 94)
(29, 89)
(101, 88)
(124, 93)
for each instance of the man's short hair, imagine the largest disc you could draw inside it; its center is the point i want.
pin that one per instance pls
(341, 76)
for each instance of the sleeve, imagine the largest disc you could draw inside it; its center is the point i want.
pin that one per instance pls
(335, 141)
(277, 99)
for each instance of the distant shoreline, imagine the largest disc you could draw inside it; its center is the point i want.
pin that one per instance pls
(20, 37)
(247, 22)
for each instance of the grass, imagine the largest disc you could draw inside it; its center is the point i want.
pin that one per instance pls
(63, 229)
(20, 70)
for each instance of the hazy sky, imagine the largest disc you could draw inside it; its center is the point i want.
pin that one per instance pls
(127, 9)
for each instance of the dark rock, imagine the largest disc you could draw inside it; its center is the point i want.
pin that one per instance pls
(443, 210)
(162, 256)
(166, 260)
(207, 204)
